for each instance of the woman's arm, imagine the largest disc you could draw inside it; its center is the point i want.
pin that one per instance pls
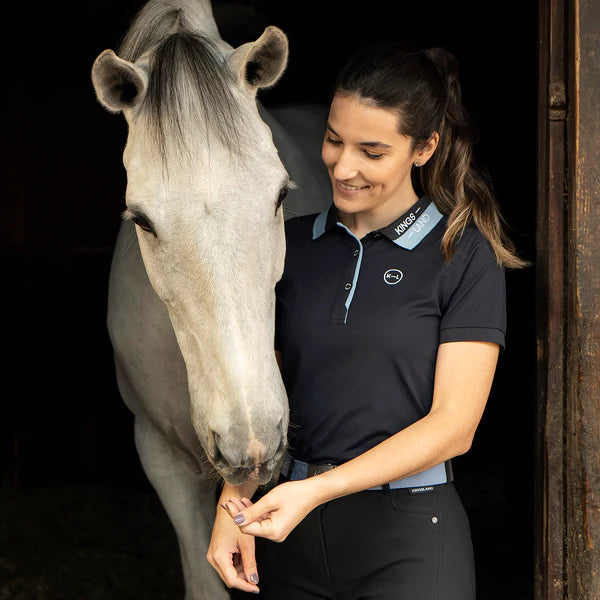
(463, 378)
(231, 552)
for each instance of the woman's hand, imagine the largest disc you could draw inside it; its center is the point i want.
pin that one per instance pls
(276, 513)
(231, 553)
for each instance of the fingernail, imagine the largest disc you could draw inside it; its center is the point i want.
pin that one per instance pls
(239, 519)
(254, 578)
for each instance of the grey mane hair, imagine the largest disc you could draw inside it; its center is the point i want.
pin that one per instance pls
(190, 87)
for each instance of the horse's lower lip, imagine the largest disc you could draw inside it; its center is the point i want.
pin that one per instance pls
(240, 475)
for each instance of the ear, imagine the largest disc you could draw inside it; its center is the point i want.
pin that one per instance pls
(259, 64)
(426, 152)
(119, 84)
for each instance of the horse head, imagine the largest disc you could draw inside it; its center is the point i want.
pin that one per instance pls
(204, 189)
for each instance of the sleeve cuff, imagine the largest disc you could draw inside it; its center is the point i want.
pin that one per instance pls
(473, 334)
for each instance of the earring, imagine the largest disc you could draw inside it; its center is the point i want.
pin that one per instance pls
(417, 164)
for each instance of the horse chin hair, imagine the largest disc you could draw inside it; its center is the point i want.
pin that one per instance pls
(262, 475)
(209, 471)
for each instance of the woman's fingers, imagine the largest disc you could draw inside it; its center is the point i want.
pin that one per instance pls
(229, 573)
(245, 513)
(225, 553)
(239, 505)
(255, 519)
(248, 559)
(276, 513)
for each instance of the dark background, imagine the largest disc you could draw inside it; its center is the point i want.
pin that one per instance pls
(77, 516)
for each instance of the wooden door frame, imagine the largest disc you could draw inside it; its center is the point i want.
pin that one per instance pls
(567, 478)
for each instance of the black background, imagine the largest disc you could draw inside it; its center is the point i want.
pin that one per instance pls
(64, 430)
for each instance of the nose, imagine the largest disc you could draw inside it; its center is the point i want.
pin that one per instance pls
(234, 450)
(225, 454)
(233, 453)
(345, 166)
(256, 451)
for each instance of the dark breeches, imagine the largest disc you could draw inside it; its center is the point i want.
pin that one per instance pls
(374, 545)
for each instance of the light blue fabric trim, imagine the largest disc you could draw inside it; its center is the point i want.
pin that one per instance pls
(432, 476)
(420, 228)
(356, 272)
(319, 224)
(435, 475)
(299, 470)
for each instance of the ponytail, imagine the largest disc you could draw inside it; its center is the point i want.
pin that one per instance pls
(461, 190)
(423, 88)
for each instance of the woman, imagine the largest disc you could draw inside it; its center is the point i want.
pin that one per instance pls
(390, 317)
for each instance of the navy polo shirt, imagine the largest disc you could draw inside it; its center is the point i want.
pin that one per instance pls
(358, 323)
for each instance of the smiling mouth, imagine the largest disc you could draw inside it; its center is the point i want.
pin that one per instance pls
(345, 186)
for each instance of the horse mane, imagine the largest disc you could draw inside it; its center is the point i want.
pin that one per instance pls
(190, 87)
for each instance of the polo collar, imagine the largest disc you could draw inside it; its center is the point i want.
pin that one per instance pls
(407, 231)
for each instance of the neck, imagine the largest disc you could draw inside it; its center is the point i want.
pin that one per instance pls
(363, 222)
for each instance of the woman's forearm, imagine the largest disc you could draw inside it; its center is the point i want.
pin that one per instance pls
(420, 446)
(464, 374)
(245, 490)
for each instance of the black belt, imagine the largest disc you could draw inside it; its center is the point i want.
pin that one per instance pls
(297, 469)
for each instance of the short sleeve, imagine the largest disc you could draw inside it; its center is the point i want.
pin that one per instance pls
(476, 305)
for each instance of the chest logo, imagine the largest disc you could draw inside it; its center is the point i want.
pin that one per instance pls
(393, 276)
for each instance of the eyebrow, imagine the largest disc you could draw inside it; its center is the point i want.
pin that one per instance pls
(371, 144)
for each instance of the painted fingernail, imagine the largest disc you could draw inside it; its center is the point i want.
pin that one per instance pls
(239, 519)
(254, 578)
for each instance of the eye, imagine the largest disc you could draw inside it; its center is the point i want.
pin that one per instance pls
(332, 141)
(282, 196)
(142, 223)
(373, 156)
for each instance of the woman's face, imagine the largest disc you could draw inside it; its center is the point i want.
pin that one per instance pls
(369, 162)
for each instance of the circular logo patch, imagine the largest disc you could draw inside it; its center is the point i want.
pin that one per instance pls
(392, 276)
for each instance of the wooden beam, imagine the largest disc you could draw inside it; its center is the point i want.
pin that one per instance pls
(583, 305)
(550, 302)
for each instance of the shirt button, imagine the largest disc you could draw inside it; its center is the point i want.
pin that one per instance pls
(356, 252)
(376, 235)
(347, 286)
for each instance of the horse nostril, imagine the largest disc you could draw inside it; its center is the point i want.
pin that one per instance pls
(217, 454)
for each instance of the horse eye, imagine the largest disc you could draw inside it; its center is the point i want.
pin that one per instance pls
(282, 196)
(142, 223)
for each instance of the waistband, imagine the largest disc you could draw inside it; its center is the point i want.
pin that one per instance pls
(442, 473)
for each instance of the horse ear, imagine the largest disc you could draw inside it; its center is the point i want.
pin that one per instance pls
(119, 84)
(259, 64)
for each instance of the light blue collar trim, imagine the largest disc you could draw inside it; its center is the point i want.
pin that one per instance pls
(356, 271)
(319, 224)
(420, 228)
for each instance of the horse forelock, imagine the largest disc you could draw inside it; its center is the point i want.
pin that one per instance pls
(190, 87)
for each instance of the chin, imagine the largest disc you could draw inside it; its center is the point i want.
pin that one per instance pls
(261, 475)
(350, 205)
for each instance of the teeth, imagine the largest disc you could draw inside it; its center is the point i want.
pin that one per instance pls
(350, 187)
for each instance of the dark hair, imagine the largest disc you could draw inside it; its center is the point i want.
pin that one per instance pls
(183, 64)
(423, 87)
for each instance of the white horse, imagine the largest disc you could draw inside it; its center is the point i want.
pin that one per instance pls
(191, 295)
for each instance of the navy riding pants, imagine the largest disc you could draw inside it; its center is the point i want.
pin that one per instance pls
(374, 545)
